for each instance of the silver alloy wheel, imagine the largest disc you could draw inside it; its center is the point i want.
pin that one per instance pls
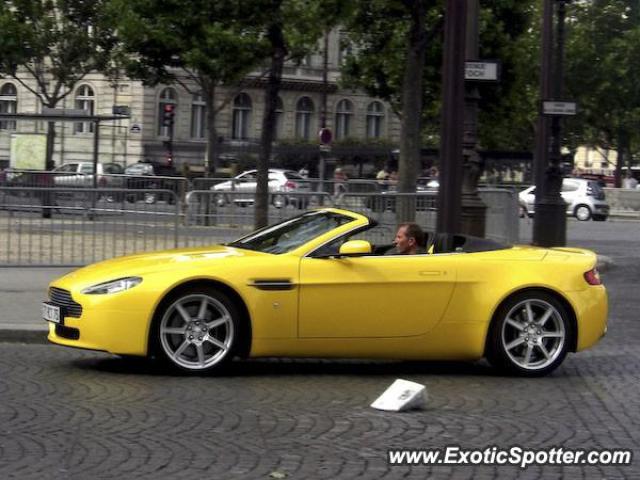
(279, 201)
(197, 332)
(533, 334)
(221, 200)
(583, 213)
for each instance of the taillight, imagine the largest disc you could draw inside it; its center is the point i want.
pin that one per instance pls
(593, 277)
(290, 184)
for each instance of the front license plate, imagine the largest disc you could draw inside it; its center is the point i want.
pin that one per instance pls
(51, 313)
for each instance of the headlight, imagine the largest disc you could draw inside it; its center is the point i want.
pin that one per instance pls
(114, 286)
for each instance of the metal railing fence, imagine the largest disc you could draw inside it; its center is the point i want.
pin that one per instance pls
(52, 226)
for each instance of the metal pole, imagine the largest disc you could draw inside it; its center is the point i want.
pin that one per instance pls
(449, 202)
(96, 151)
(550, 222)
(473, 208)
(323, 114)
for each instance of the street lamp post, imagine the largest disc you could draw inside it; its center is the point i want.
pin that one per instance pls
(449, 203)
(473, 208)
(550, 222)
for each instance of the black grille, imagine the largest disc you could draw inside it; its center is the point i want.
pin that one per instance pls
(63, 298)
(67, 332)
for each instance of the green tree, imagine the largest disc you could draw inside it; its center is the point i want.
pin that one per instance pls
(208, 44)
(602, 68)
(291, 29)
(57, 43)
(391, 40)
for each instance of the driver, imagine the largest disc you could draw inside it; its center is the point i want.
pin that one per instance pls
(409, 239)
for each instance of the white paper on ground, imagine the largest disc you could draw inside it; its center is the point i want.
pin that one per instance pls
(402, 395)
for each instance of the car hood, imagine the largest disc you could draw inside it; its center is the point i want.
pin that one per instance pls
(146, 263)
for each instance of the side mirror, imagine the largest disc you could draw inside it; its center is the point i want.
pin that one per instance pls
(355, 247)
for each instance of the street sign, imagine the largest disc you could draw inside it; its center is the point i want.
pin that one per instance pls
(550, 107)
(121, 110)
(325, 148)
(325, 135)
(481, 71)
(66, 112)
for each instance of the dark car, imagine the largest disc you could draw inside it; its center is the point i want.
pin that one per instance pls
(151, 176)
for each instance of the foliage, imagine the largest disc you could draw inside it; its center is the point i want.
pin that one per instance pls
(603, 65)
(164, 40)
(58, 42)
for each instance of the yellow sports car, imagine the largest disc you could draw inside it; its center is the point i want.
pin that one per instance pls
(315, 286)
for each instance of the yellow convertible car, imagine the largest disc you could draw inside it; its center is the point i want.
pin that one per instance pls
(316, 286)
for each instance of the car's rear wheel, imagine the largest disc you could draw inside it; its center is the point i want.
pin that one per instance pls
(530, 335)
(150, 198)
(198, 330)
(221, 200)
(279, 201)
(582, 213)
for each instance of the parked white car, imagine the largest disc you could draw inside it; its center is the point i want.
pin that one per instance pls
(585, 199)
(80, 174)
(283, 187)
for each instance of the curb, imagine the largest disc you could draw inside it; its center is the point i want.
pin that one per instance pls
(17, 335)
(604, 263)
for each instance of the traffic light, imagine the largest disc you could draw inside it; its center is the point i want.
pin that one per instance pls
(168, 115)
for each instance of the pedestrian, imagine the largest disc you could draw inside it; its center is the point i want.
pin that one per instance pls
(383, 178)
(629, 182)
(339, 182)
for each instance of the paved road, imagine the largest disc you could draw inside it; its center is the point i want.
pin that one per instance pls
(75, 415)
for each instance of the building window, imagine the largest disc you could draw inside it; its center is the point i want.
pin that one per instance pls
(241, 117)
(8, 104)
(344, 112)
(279, 119)
(85, 100)
(168, 96)
(375, 120)
(198, 117)
(304, 118)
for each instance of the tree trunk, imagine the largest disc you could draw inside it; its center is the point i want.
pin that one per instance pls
(51, 138)
(212, 132)
(278, 55)
(411, 111)
(623, 148)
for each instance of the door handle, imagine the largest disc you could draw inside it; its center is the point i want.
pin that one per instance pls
(430, 273)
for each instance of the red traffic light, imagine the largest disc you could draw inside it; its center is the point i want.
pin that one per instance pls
(168, 107)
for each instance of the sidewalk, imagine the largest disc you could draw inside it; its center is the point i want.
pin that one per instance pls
(23, 289)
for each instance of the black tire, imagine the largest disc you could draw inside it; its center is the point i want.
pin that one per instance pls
(582, 212)
(519, 344)
(279, 201)
(202, 343)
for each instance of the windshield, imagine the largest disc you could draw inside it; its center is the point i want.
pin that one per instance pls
(290, 234)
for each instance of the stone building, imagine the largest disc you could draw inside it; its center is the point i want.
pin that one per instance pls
(361, 125)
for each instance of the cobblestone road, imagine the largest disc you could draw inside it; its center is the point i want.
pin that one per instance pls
(68, 414)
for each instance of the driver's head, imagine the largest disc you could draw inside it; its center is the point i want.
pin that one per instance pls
(409, 238)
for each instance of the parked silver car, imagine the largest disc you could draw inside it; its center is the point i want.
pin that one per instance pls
(283, 187)
(80, 174)
(585, 199)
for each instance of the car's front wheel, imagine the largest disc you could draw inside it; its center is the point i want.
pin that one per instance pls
(198, 330)
(583, 213)
(530, 334)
